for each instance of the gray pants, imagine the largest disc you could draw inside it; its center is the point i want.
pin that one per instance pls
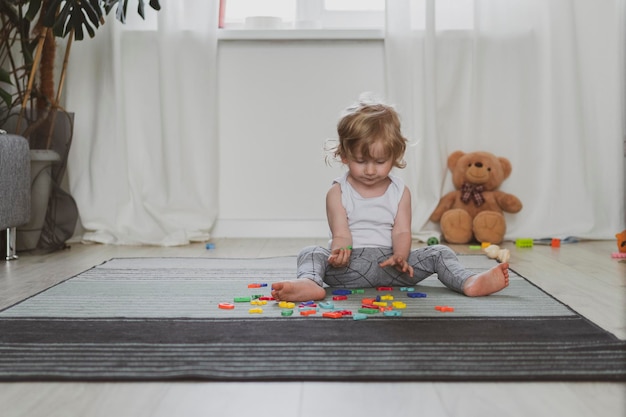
(364, 270)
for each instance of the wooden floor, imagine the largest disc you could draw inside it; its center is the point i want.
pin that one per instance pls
(582, 275)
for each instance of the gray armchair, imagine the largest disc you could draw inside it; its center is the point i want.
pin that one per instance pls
(14, 187)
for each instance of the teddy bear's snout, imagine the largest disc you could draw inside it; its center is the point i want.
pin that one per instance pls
(477, 174)
(475, 165)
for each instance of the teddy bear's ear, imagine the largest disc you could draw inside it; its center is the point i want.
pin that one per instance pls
(453, 159)
(506, 166)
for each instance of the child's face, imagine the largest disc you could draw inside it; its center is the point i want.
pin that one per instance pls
(370, 170)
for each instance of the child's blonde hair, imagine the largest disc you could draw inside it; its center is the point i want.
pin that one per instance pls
(368, 122)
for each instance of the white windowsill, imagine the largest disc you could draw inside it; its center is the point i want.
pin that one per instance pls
(300, 34)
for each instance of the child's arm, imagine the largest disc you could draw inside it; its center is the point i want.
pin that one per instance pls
(401, 232)
(338, 222)
(401, 236)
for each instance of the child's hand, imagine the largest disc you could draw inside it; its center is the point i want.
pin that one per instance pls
(399, 263)
(340, 258)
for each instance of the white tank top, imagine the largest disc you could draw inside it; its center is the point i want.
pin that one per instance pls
(371, 219)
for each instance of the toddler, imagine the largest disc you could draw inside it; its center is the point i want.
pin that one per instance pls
(369, 214)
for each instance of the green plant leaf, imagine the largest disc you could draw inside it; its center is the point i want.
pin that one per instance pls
(75, 22)
(49, 14)
(6, 97)
(140, 9)
(33, 9)
(59, 25)
(5, 76)
(121, 11)
(108, 5)
(28, 51)
(122, 6)
(8, 9)
(77, 15)
(93, 14)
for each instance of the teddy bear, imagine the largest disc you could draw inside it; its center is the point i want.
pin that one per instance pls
(475, 209)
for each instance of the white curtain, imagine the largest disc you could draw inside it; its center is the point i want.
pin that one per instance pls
(143, 163)
(540, 82)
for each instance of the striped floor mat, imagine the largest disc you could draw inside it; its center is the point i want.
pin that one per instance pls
(195, 287)
(143, 319)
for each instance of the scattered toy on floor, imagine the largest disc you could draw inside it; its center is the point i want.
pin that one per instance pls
(382, 304)
(524, 243)
(500, 255)
(416, 295)
(555, 242)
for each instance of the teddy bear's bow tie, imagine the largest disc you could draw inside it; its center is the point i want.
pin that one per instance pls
(472, 191)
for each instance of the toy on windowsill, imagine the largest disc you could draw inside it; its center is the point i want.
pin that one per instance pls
(500, 255)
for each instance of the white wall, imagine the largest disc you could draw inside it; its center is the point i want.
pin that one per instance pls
(292, 92)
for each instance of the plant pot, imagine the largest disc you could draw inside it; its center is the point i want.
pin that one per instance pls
(41, 161)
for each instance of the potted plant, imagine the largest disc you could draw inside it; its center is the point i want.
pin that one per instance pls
(30, 98)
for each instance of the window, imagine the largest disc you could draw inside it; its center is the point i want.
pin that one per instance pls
(302, 14)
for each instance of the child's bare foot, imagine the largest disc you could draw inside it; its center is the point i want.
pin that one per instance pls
(487, 282)
(297, 290)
